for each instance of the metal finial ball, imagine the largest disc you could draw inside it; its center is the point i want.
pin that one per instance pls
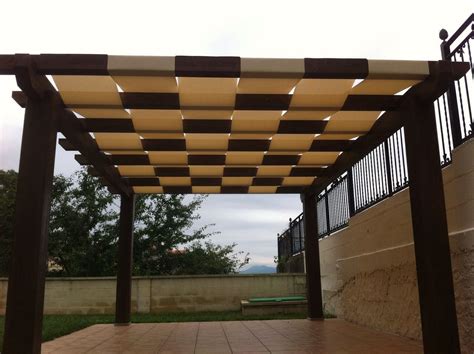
(443, 34)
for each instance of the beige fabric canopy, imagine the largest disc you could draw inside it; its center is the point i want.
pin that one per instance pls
(229, 124)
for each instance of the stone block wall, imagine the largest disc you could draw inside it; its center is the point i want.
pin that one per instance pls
(163, 294)
(368, 269)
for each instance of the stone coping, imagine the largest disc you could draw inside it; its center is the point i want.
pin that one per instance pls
(176, 276)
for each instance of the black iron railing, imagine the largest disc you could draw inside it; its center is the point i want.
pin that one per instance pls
(291, 241)
(458, 95)
(383, 171)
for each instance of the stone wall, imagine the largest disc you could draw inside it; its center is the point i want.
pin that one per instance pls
(368, 269)
(163, 294)
(294, 264)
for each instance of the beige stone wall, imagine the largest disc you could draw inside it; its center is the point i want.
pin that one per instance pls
(163, 294)
(368, 269)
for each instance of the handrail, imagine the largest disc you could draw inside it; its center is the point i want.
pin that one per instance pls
(458, 32)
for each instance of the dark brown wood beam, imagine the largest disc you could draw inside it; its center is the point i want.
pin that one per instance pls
(72, 129)
(20, 98)
(71, 64)
(35, 87)
(312, 262)
(430, 230)
(7, 64)
(442, 73)
(123, 301)
(25, 298)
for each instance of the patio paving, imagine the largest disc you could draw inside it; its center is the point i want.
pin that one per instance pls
(275, 336)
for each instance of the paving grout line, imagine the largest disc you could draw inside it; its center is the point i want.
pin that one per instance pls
(176, 324)
(248, 329)
(167, 338)
(197, 336)
(77, 339)
(144, 334)
(113, 335)
(283, 335)
(226, 337)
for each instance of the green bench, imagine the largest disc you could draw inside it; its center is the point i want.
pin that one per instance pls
(273, 305)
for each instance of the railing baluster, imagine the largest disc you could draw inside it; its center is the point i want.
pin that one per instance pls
(350, 192)
(441, 133)
(381, 172)
(467, 96)
(328, 225)
(452, 100)
(403, 154)
(388, 168)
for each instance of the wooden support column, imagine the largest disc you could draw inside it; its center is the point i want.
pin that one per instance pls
(430, 231)
(313, 268)
(24, 310)
(125, 261)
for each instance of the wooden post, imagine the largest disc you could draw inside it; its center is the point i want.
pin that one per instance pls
(24, 310)
(125, 261)
(430, 231)
(311, 244)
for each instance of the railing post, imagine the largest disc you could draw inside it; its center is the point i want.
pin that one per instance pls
(350, 192)
(451, 95)
(290, 236)
(278, 247)
(299, 233)
(326, 202)
(388, 167)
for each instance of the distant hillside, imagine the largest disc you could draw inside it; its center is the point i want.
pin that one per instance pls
(259, 269)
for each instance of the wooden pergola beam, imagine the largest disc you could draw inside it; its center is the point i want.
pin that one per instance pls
(59, 64)
(125, 261)
(312, 257)
(186, 66)
(71, 128)
(441, 74)
(430, 230)
(244, 102)
(68, 124)
(25, 297)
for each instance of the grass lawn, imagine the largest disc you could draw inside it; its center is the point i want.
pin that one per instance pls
(59, 325)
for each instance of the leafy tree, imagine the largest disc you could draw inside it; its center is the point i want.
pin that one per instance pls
(83, 231)
(208, 258)
(162, 222)
(7, 212)
(82, 228)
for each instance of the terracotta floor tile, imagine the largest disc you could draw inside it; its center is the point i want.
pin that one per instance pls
(276, 336)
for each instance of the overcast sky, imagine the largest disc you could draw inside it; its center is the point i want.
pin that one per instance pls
(403, 29)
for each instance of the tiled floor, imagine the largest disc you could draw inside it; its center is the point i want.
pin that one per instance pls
(278, 336)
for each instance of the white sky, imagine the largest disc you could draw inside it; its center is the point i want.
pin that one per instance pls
(403, 29)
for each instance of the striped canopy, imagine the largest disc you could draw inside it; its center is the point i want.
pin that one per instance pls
(228, 124)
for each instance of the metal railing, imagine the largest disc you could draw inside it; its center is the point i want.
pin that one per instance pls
(458, 95)
(291, 241)
(383, 171)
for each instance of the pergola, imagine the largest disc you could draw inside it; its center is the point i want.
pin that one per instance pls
(224, 125)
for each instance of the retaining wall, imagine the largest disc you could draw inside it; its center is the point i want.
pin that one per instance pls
(368, 269)
(163, 294)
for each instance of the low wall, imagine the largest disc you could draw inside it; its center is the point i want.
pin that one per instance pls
(163, 294)
(294, 264)
(368, 269)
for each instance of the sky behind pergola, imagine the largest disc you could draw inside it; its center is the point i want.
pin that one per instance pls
(404, 29)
